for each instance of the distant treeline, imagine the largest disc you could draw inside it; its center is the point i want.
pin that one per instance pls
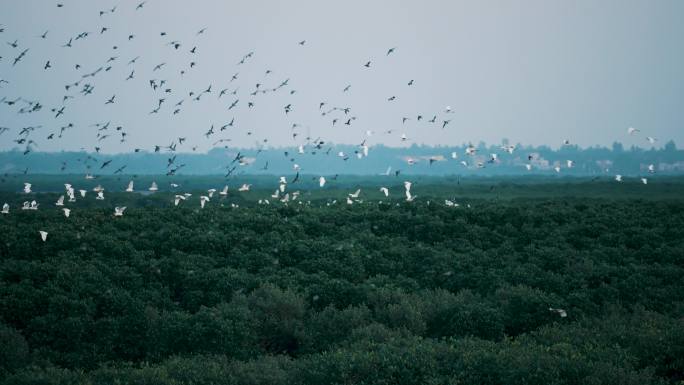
(348, 159)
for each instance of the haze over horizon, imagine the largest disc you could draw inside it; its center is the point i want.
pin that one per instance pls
(539, 74)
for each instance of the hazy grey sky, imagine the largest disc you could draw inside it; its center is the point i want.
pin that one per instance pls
(534, 71)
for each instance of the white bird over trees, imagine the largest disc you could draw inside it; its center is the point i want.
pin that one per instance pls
(632, 130)
(618, 178)
(224, 192)
(177, 199)
(385, 191)
(203, 200)
(130, 187)
(409, 197)
(118, 211)
(644, 180)
(67, 212)
(100, 196)
(321, 181)
(27, 188)
(244, 187)
(154, 187)
(60, 201)
(562, 313)
(211, 192)
(43, 235)
(5, 209)
(355, 194)
(83, 193)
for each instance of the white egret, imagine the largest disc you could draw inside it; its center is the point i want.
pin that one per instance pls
(203, 200)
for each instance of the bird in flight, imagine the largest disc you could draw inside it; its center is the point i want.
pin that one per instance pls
(21, 56)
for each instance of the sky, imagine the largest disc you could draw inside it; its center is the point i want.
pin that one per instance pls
(534, 72)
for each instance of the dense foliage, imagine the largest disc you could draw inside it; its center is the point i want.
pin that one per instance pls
(368, 293)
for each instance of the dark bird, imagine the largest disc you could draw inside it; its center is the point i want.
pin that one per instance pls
(21, 56)
(367, 65)
(110, 100)
(140, 5)
(59, 112)
(391, 50)
(210, 132)
(47, 65)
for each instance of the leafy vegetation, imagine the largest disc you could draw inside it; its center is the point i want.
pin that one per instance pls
(392, 293)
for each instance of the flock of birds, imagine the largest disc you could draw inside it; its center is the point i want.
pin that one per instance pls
(162, 79)
(281, 195)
